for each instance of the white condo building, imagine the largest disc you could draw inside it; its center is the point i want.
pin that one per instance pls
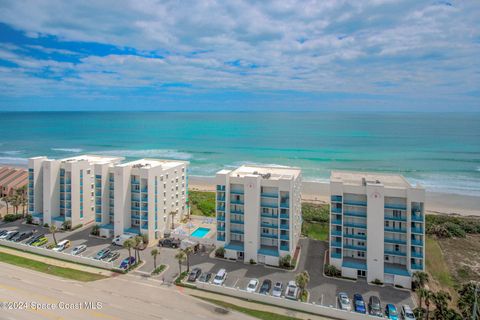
(135, 197)
(258, 212)
(377, 227)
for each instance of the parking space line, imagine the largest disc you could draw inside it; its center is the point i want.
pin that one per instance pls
(321, 299)
(234, 285)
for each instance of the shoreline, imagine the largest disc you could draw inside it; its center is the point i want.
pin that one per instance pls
(436, 202)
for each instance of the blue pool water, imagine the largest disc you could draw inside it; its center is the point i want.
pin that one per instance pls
(200, 232)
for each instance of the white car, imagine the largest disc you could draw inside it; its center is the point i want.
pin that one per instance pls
(344, 302)
(277, 290)
(79, 249)
(220, 277)
(252, 285)
(62, 245)
(292, 292)
(407, 313)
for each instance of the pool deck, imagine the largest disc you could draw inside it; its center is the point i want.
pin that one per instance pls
(197, 222)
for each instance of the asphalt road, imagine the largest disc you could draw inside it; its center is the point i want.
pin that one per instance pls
(121, 297)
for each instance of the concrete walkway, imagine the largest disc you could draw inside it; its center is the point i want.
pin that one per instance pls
(251, 305)
(58, 263)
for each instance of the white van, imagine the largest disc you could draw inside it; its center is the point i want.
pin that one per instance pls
(62, 245)
(220, 277)
(119, 240)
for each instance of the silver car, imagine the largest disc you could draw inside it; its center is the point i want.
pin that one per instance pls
(277, 289)
(79, 249)
(407, 313)
(344, 302)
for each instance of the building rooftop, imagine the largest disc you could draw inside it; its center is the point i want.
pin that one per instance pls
(95, 159)
(267, 172)
(152, 163)
(363, 178)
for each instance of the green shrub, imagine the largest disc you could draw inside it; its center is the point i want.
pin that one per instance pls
(29, 219)
(67, 225)
(455, 230)
(377, 282)
(220, 252)
(315, 212)
(252, 261)
(444, 226)
(159, 269)
(286, 262)
(95, 230)
(202, 203)
(46, 225)
(332, 271)
(11, 217)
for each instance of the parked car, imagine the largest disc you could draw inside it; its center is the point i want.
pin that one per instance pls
(194, 274)
(359, 304)
(391, 312)
(220, 277)
(40, 242)
(7, 234)
(102, 254)
(344, 301)
(375, 306)
(112, 256)
(128, 261)
(120, 239)
(34, 238)
(205, 277)
(169, 243)
(277, 289)
(407, 313)
(22, 236)
(252, 285)
(266, 286)
(292, 292)
(62, 245)
(79, 249)
(2, 232)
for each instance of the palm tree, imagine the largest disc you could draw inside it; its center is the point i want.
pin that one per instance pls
(302, 280)
(53, 230)
(466, 301)
(6, 199)
(420, 278)
(22, 194)
(441, 300)
(128, 244)
(138, 241)
(181, 257)
(422, 294)
(188, 251)
(172, 215)
(428, 297)
(155, 254)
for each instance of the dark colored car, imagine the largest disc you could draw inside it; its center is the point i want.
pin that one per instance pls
(102, 254)
(169, 243)
(3, 232)
(194, 274)
(375, 306)
(359, 304)
(22, 236)
(266, 286)
(125, 263)
(11, 235)
(112, 256)
(205, 277)
(35, 238)
(391, 312)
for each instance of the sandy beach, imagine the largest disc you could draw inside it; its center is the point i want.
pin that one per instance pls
(436, 202)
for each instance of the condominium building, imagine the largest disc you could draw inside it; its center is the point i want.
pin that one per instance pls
(148, 194)
(377, 227)
(258, 211)
(64, 190)
(141, 196)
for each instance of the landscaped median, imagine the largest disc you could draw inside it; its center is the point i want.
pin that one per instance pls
(63, 272)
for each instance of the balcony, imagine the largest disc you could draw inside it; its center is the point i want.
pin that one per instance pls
(268, 205)
(353, 263)
(269, 225)
(98, 194)
(396, 269)
(284, 216)
(236, 221)
(417, 242)
(417, 230)
(391, 229)
(236, 231)
(145, 190)
(284, 237)
(417, 217)
(336, 221)
(269, 235)
(353, 247)
(269, 215)
(239, 192)
(135, 208)
(235, 211)
(220, 238)
(355, 225)
(284, 248)
(336, 244)
(144, 225)
(336, 255)
(98, 185)
(355, 236)
(416, 266)
(98, 219)
(355, 214)
(221, 209)
(389, 217)
(220, 228)
(220, 188)
(220, 218)
(336, 210)
(284, 227)
(284, 205)
(236, 202)
(355, 203)
(222, 199)
(336, 233)
(395, 206)
(135, 216)
(415, 254)
(395, 241)
(269, 195)
(144, 208)
(336, 198)
(395, 253)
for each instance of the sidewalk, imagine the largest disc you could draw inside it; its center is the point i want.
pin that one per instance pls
(56, 262)
(252, 305)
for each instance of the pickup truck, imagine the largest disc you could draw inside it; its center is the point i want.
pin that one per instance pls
(169, 243)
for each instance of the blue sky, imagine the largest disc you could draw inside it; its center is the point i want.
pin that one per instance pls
(240, 55)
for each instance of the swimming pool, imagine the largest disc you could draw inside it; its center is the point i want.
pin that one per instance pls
(200, 232)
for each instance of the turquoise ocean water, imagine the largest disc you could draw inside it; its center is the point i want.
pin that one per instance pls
(441, 151)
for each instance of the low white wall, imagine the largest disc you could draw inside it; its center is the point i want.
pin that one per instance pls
(58, 255)
(285, 303)
(230, 254)
(349, 273)
(404, 281)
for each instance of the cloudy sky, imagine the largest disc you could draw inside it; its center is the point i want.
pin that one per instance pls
(240, 55)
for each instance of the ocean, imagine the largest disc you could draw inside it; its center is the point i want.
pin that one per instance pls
(439, 150)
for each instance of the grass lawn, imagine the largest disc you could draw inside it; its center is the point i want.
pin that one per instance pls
(315, 230)
(436, 264)
(265, 315)
(202, 203)
(50, 269)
